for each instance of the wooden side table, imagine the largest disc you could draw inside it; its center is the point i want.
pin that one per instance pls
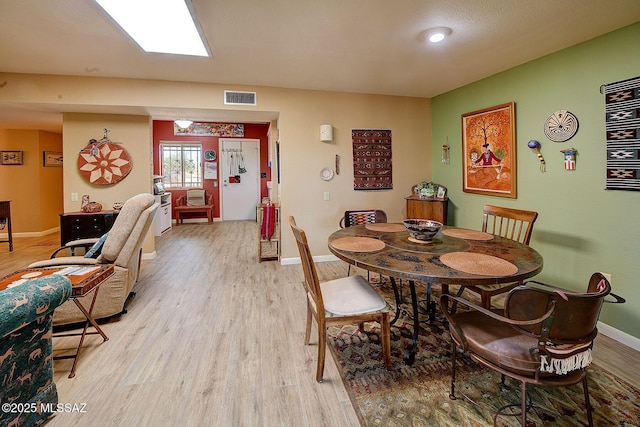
(268, 248)
(84, 280)
(427, 208)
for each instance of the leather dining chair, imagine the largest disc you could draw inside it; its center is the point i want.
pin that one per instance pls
(343, 301)
(543, 337)
(514, 224)
(360, 217)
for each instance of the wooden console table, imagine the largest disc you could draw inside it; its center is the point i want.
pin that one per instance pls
(81, 225)
(5, 222)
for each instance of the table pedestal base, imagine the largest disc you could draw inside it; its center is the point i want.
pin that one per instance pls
(410, 353)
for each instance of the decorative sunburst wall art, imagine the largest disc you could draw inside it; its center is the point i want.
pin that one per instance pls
(104, 162)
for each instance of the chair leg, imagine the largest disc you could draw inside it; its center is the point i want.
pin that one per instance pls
(349, 270)
(454, 349)
(307, 334)
(322, 346)
(523, 405)
(586, 400)
(385, 337)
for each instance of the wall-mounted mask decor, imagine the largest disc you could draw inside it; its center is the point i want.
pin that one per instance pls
(570, 158)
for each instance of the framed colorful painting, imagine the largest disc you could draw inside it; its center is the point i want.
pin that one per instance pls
(489, 151)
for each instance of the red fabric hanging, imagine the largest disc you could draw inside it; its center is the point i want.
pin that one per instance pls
(268, 221)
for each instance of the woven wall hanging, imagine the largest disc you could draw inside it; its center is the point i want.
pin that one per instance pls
(104, 162)
(372, 159)
(622, 108)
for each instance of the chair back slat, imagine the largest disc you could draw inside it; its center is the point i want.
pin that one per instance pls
(514, 224)
(311, 282)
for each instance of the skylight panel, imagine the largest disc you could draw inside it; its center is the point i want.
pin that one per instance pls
(161, 26)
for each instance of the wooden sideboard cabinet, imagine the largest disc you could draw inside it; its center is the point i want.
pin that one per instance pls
(423, 208)
(80, 225)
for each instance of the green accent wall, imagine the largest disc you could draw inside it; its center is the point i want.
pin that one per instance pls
(582, 228)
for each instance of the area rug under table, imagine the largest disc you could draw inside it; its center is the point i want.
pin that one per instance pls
(418, 395)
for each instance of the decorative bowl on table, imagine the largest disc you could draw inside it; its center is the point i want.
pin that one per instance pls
(422, 229)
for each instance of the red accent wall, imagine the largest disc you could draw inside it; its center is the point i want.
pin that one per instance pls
(163, 131)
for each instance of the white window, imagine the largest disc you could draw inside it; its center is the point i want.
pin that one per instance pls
(181, 164)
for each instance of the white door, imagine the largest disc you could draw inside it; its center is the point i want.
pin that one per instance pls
(239, 199)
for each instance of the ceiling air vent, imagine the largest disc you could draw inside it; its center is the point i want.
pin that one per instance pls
(234, 97)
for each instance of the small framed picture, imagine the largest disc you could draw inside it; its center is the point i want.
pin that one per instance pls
(11, 158)
(52, 159)
(442, 192)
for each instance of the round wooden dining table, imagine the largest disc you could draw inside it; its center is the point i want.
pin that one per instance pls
(455, 256)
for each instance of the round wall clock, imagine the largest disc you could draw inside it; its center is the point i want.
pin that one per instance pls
(209, 155)
(104, 162)
(561, 126)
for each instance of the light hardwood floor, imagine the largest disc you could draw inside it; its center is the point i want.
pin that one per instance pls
(213, 338)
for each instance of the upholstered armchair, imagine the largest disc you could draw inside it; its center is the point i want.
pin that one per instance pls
(26, 359)
(122, 246)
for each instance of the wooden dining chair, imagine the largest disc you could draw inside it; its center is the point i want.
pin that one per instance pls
(514, 224)
(361, 217)
(369, 216)
(343, 301)
(543, 337)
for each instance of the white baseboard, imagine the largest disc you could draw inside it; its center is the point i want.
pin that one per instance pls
(149, 255)
(621, 337)
(604, 329)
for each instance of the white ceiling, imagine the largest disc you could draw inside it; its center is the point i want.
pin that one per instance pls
(366, 46)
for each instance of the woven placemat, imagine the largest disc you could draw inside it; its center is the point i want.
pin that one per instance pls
(464, 233)
(474, 263)
(385, 227)
(358, 244)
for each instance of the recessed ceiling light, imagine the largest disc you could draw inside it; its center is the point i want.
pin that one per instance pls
(436, 35)
(161, 26)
